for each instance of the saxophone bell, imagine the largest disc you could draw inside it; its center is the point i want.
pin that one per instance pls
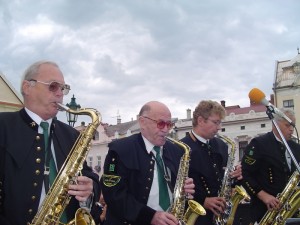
(177, 207)
(234, 196)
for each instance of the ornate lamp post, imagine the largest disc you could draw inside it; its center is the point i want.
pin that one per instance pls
(72, 118)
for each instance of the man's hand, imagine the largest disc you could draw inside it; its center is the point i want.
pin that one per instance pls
(83, 189)
(237, 173)
(163, 218)
(215, 204)
(270, 201)
(189, 188)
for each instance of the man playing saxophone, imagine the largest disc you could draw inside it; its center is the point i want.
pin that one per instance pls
(140, 172)
(267, 166)
(208, 158)
(27, 168)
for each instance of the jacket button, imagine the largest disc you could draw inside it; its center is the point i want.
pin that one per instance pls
(38, 149)
(30, 211)
(33, 197)
(37, 172)
(37, 138)
(35, 184)
(38, 160)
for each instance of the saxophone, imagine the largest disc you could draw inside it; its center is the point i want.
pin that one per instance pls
(289, 201)
(57, 197)
(178, 205)
(232, 197)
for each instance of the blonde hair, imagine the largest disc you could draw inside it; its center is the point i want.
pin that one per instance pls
(206, 108)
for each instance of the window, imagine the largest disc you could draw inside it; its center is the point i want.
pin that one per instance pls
(99, 160)
(96, 136)
(90, 161)
(262, 125)
(288, 103)
(242, 127)
(242, 148)
(98, 165)
(187, 133)
(223, 130)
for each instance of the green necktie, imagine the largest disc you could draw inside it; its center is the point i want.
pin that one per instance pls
(52, 167)
(164, 199)
(48, 156)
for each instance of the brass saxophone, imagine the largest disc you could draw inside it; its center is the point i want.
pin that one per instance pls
(57, 197)
(177, 207)
(234, 196)
(289, 201)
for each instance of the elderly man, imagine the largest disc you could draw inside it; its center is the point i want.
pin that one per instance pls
(33, 147)
(140, 172)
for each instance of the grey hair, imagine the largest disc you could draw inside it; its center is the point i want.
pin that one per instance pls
(32, 71)
(287, 111)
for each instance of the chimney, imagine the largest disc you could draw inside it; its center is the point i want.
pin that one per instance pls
(119, 119)
(223, 103)
(188, 114)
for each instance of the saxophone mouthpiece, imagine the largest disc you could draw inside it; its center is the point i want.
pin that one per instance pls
(61, 107)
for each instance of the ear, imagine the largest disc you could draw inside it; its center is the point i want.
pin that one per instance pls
(25, 87)
(141, 122)
(200, 120)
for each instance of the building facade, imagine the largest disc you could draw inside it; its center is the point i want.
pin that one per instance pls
(286, 85)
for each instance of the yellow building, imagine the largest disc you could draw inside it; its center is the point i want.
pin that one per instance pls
(10, 99)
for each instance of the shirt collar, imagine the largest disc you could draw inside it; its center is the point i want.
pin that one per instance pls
(277, 139)
(36, 118)
(199, 138)
(148, 144)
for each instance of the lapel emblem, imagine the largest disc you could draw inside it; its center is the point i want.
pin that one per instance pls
(32, 124)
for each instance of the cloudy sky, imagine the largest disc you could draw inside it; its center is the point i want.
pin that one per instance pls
(119, 54)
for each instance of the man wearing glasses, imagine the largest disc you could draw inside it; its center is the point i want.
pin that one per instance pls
(132, 185)
(31, 155)
(209, 156)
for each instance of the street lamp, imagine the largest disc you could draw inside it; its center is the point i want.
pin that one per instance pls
(72, 118)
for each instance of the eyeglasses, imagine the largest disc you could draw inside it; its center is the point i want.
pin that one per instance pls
(55, 86)
(216, 122)
(161, 124)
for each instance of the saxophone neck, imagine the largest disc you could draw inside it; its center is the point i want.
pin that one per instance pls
(93, 113)
(180, 144)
